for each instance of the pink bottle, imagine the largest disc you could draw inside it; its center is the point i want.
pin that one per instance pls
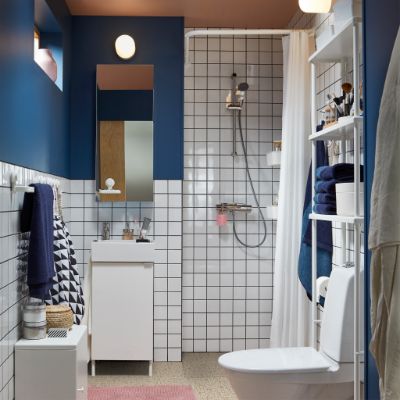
(221, 219)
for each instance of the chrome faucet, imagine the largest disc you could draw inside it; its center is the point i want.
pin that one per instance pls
(106, 231)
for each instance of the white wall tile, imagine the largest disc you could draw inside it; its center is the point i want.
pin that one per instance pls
(213, 262)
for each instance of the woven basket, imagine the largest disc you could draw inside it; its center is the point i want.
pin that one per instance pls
(59, 316)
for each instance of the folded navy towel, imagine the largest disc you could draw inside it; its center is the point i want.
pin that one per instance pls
(325, 198)
(342, 172)
(325, 186)
(325, 209)
(37, 217)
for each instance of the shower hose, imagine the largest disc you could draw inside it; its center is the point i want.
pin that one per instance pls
(252, 190)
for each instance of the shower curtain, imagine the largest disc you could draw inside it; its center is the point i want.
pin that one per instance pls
(291, 309)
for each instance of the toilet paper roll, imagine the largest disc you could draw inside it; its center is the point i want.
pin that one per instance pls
(322, 286)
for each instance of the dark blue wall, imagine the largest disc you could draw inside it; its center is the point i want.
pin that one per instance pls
(159, 41)
(34, 113)
(381, 22)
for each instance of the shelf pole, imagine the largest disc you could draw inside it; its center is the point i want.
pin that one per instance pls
(356, 73)
(357, 228)
(314, 333)
(356, 68)
(313, 98)
(357, 244)
(314, 309)
(343, 231)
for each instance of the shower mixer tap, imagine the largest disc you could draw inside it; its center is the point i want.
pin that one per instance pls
(234, 207)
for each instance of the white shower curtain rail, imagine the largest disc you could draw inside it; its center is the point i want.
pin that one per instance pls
(237, 32)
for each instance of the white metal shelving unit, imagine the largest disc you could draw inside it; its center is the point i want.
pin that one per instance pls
(344, 45)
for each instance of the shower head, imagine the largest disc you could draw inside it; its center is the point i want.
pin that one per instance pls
(235, 98)
(243, 87)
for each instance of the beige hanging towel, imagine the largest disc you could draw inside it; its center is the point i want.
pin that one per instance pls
(384, 236)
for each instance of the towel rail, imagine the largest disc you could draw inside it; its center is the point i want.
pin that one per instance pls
(29, 189)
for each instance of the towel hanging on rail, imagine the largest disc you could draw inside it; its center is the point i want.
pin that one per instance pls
(67, 287)
(324, 236)
(36, 218)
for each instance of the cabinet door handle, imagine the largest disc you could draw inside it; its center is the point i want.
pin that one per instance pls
(81, 389)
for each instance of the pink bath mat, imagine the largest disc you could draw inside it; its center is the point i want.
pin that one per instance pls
(167, 392)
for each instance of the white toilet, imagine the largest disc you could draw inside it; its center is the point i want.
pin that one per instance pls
(303, 373)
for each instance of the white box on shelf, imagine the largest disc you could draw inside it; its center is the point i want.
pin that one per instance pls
(345, 199)
(345, 10)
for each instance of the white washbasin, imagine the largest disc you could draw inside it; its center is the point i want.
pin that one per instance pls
(126, 251)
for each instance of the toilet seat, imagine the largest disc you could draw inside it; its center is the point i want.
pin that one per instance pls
(277, 360)
(288, 365)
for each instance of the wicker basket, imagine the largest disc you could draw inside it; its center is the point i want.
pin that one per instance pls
(59, 316)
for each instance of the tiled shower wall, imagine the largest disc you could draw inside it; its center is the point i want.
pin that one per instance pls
(87, 216)
(227, 289)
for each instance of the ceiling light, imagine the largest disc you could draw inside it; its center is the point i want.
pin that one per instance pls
(125, 47)
(315, 6)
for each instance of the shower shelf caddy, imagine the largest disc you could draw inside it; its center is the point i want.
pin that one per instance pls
(344, 45)
(274, 159)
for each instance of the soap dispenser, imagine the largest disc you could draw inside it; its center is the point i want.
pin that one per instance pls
(106, 231)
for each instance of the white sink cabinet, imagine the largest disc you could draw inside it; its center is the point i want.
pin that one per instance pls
(122, 301)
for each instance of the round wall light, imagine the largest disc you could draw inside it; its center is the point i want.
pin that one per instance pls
(315, 6)
(125, 46)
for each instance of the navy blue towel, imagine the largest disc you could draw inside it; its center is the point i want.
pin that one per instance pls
(324, 235)
(324, 259)
(329, 209)
(324, 228)
(37, 217)
(342, 172)
(325, 198)
(325, 186)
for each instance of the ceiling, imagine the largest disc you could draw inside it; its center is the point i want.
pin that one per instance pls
(197, 13)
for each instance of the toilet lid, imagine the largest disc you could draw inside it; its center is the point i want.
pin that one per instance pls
(290, 359)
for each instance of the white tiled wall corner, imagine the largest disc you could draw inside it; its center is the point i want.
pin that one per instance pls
(86, 224)
(226, 289)
(13, 253)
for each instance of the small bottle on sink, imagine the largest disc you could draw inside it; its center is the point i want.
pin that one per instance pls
(127, 233)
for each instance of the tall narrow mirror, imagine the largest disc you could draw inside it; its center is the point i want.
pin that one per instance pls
(125, 131)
